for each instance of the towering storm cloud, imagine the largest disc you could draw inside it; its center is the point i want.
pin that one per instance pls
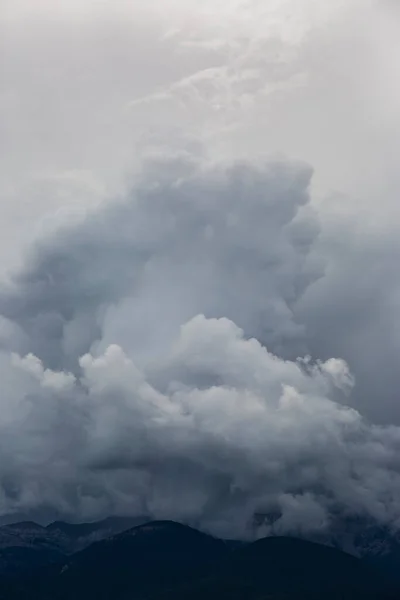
(144, 362)
(215, 335)
(191, 238)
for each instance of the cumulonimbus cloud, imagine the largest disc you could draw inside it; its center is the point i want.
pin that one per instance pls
(149, 358)
(149, 352)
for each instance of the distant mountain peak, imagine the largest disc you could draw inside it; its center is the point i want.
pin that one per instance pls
(23, 525)
(161, 525)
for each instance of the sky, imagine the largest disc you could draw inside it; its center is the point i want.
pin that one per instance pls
(199, 286)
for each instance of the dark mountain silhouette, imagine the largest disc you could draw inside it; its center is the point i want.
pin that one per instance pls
(28, 545)
(76, 536)
(375, 543)
(156, 555)
(164, 560)
(287, 566)
(285, 569)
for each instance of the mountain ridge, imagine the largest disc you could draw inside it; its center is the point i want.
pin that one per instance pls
(166, 560)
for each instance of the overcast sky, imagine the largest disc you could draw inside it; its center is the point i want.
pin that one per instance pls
(199, 249)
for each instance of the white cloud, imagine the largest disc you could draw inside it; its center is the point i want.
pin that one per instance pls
(262, 436)
(53, 380)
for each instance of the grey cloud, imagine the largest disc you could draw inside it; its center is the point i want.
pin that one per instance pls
(227, 241)
(265, 439)
(150, 359)
(134, 401)
(352, 311)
